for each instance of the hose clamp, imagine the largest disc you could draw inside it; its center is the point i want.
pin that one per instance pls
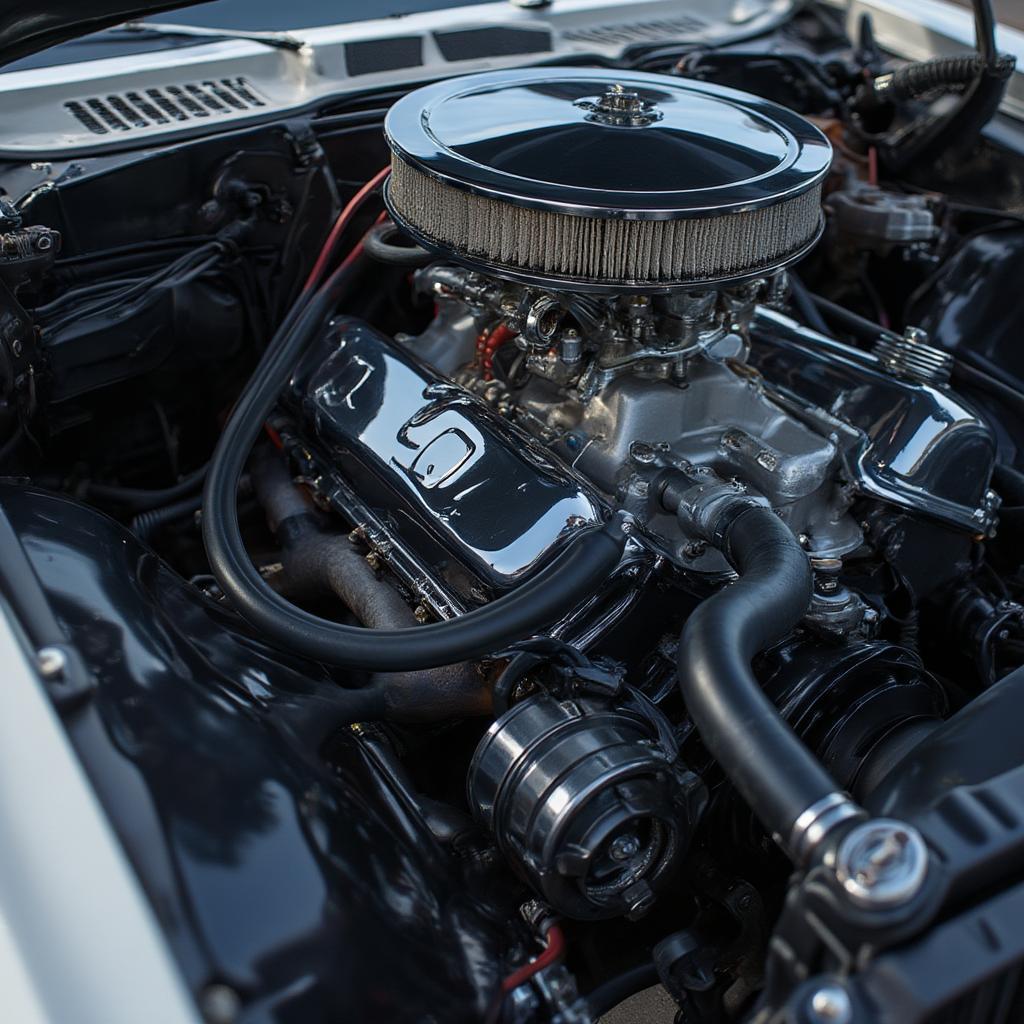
(816, 822)
(707, 508)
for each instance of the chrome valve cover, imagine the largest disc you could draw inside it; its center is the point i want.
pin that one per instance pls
(455, 482)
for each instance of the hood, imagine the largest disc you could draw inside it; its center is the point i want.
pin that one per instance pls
(28, 26)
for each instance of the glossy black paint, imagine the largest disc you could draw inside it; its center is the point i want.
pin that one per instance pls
(314, 889)
(976, 301)
(978, 743)
(26, 26)
(533, 135)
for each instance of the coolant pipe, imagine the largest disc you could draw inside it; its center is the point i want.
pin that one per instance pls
(318, 562)
(785, 785)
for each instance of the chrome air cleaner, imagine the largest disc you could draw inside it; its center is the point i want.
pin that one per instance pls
(608, 181)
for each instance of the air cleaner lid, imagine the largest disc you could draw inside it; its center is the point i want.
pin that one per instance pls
(607, 143)
(604, 181)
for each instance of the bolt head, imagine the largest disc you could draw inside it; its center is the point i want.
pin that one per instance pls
(51, 662)
(882, 863)
(642, 452)
(624, 847)
(219, 1004)
(831, 1005)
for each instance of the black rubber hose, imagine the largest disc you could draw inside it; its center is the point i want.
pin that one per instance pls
(921, 77)
(141, 499)
(773, 771)
(859, 326)
(616, 990)
(985, 31)
(146, 524)
(805, 306)
(380, 245)
(587, 562)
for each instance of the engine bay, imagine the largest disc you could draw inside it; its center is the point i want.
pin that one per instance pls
(512, 542)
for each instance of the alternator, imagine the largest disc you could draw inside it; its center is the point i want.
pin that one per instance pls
(587, 799)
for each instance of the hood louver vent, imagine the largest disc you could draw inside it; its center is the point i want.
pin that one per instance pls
(136, 110)
(624, 33)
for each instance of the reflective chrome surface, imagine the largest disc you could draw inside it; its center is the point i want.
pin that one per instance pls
(532, 136)
(449, 469)
(917, 446)
(587, 798)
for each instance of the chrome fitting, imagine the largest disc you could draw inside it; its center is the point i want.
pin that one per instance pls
(52, 662)
(911, 358)
(882, 863)
(816, 822)
(830, 1004)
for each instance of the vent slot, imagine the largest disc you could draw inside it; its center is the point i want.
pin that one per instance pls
(171, 104)
(476, 43)
(624, 33)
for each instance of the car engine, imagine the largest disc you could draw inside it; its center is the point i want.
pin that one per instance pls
(555, 538)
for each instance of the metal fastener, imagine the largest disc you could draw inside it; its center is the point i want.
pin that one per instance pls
(219, 1004)
(571, 347)
(882, 863)
(51, 662)
(623, 847)
(831, 1005)
(642, 452)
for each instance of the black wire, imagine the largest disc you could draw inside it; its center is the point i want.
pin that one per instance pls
(971, 377)
(194, 263)
(616, 990)
(984, 211)
(154, 247)
(805, 306)
(147, 524)
(138, 499)
(965, 368)
(353, 119)
(985, 31)
(859, 326)
(11, 444)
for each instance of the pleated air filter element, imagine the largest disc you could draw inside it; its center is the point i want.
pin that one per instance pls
(606, 181)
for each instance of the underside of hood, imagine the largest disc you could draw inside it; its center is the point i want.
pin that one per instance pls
(28, 26)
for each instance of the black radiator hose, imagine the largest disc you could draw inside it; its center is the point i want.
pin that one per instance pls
(772, 769)
(585, 564)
